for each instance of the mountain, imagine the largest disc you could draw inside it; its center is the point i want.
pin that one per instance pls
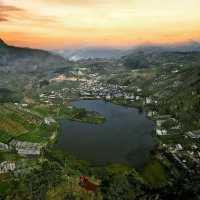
(90, 53)
(183, 47)
(114, 53)
(2, 43)
(27, 60)
(151, 56)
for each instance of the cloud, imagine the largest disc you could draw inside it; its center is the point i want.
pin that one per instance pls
(73, 2)
(9, 13)
(8, 8)
(3, 18)
(6, 11)
(88, 2)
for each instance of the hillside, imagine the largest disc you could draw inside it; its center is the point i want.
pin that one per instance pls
(22, 69)
(16, 59)
(154, 56)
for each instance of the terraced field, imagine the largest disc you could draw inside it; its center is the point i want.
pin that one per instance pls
(10, 126)
(17, 122)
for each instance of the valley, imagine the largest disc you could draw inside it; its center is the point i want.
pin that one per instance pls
(38, 91)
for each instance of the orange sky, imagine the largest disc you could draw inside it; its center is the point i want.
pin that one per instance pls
(117, 23)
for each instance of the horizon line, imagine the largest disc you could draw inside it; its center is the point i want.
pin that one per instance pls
(97, 46)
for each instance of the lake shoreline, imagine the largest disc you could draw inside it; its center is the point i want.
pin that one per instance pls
(116, 111)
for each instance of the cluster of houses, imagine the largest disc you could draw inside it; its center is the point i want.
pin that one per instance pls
(194, 134)
(22, 148)
(160, 120)
(53, 96)
(26, 148)
(184, 157)
(98, 90)
(159, 129)
(93, 88)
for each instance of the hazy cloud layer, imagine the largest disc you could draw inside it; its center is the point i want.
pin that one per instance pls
(87, 2)
(14, 13)
(6, 11)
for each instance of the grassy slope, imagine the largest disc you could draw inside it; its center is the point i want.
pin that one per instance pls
(154, 174)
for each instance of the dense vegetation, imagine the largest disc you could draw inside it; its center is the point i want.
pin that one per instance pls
(55, 176)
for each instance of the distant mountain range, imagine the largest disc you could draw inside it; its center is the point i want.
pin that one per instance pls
(115, 53)
(27, 60)
(90, 53)
(184, 47)
(150, 56)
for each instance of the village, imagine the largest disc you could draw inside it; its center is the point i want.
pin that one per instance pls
(180, 147)
(90, 88)
(183, 151)
(184, 155)
(98, 90)
(93, 88)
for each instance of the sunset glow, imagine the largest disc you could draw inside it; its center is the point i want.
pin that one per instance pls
(117, 23)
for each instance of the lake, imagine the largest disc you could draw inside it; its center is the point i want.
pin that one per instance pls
(124, 138)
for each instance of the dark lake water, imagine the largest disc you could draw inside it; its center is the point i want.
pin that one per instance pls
(124, 138)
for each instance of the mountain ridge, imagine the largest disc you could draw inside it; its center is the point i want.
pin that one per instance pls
(84, 53)
(26, 59)
(2, 43)
(152, 56)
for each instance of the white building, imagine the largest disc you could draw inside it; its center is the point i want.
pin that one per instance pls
(7, 166)
(148, 100)
(49, 120)
(137, 98)
(194, 134)
(151, 113)
(26, 148)
(161, 132)
(178, 147)
(160, 122)
(139, 90)
(108, 97)
(28, 152)
(4, 147)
